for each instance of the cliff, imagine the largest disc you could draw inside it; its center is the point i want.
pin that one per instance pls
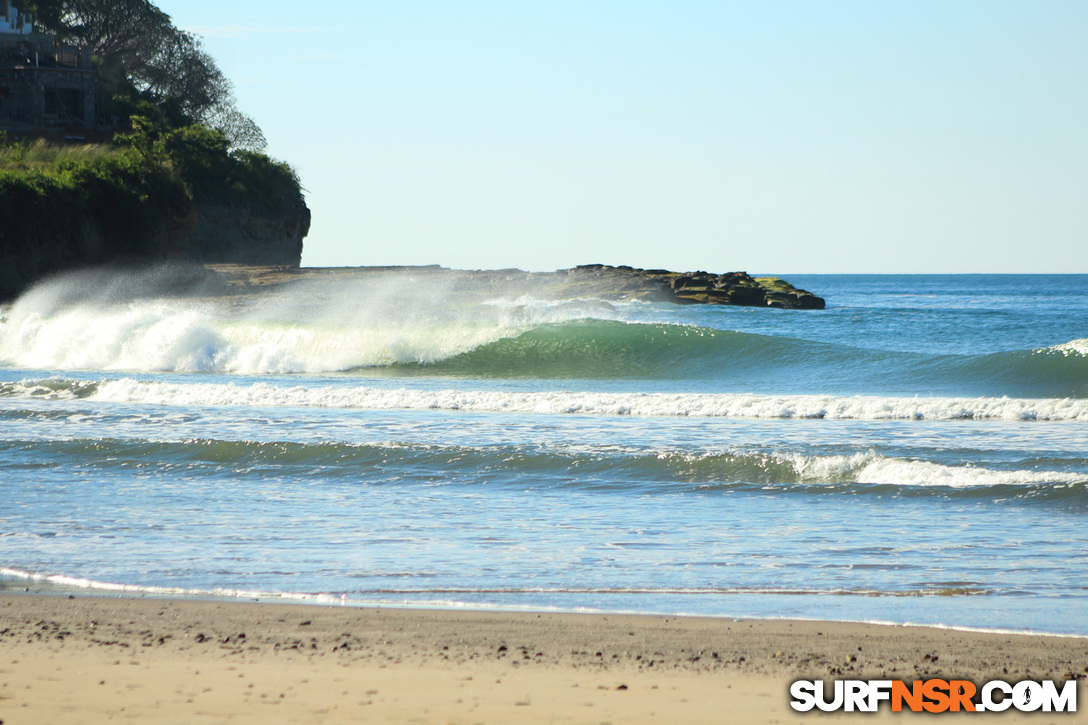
(201, 233)
(178, 196)
(230, 235)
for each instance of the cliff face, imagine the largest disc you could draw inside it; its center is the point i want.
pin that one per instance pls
(35, 244)
(229, 235)
(155, 195)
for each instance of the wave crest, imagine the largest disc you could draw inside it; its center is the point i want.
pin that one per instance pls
(403, 328)
(1073, 347)
(696, 405)
(71, 324)
(634, 469)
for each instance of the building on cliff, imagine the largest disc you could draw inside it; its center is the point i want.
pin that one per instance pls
(43, 84)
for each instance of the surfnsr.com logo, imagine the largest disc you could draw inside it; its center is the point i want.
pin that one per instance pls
(934, 696)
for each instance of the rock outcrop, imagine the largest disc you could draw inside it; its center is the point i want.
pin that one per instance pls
(585, 282)
(230, 235)
(731, 288)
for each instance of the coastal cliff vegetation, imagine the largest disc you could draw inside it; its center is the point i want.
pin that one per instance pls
(175, 171)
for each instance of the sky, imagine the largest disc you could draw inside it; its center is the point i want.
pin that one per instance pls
(814, 136)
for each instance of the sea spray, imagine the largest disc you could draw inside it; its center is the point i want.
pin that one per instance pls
(180, 321)
(404, 325)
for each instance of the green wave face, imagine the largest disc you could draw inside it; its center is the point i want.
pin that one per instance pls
(609, 349)
(391, 330)
(602, 349)
(636, 472)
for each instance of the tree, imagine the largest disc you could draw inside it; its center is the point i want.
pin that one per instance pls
(164, 63)
(180, 70)
(239, 129)
(130, 30)
(183, 74)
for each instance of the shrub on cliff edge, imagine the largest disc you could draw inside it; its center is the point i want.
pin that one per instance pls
(100, 202)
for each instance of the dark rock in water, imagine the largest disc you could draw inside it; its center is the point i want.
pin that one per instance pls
(731, 288)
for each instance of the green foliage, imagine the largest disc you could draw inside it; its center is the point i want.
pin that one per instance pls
(63, 205)
(257, 176)
(127, 198)
(129, 191)
(45, 156)
(50, 194)
(215, 174)
(145, 140)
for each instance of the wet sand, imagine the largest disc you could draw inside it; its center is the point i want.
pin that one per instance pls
(96, 660)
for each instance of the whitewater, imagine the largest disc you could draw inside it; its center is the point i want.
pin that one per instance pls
(917, 452)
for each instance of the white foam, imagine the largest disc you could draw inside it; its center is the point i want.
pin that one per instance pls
(1073, 347)
(129, 390)
(871, 468)
(73, 582)
(184, 337)
(332, 599)
(704, 405)
(69, 325)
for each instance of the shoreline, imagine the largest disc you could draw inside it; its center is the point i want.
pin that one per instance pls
(15, 582)
(181, 660)
(14, 586)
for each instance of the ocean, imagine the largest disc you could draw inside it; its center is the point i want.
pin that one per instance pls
(915, 453)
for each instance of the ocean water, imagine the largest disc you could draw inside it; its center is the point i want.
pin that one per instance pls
(917, 452)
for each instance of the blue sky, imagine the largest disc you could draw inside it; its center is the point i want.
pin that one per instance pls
(782, 137)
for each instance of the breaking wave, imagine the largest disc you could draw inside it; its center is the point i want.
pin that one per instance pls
(392, 328)
(696, 405)
(635, 470)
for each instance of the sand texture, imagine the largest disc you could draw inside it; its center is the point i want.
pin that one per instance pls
(92, 660)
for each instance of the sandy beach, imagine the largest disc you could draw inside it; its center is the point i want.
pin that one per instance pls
(91, 659)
